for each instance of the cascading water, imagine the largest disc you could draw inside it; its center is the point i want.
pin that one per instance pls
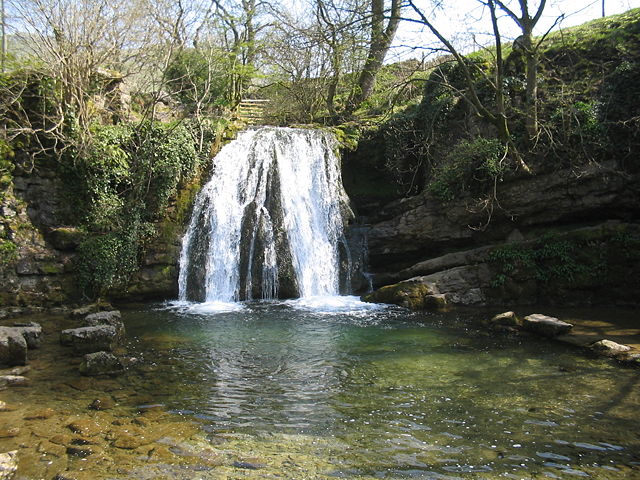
(269, 222)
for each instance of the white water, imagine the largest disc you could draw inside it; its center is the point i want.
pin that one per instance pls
(273, 205)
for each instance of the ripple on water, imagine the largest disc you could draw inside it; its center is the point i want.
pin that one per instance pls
(317, 390)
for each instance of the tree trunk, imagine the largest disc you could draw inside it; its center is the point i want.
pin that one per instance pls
(380, 42)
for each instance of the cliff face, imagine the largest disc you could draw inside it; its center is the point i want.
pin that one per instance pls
(39, 252)
(37, 258)
(560, 237)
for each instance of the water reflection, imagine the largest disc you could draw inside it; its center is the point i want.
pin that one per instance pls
(407, 395)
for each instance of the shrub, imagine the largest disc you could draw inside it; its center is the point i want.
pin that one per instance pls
(118, 187)
(473, 166)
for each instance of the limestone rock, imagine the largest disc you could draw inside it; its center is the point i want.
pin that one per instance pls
(32, 333)
(13, 347)
(85, 310)
(112, 317)
(101, 363)
(90, 339)
(66, 238)
(8, 464)
(609, 348)
(544, 325)
(507, 319)
(13, 381)
(412, 294)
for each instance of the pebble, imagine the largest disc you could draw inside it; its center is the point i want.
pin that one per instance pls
(102, 403)
(9, 432)
(84, 427)
(42, 414)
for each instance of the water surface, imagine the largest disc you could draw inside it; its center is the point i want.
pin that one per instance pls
(353, 392)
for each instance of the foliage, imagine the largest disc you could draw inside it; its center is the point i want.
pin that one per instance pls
(6, 164)
(580, 258)
(193, 78)
(8, 252)
(473, 166)
(118, 189)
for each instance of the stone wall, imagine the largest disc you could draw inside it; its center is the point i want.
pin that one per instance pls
(39, 271)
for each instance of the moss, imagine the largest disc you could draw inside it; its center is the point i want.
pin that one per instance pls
(51, 268)
(414, 295)
(8, 253)
(583, 259)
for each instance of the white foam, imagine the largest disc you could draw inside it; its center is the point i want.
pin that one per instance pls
(205, 307)
(333, 304)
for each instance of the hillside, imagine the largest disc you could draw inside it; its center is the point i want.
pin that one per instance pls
(468, 218)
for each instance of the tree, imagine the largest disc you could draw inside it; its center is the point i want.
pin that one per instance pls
(71, 41)
(494, 109)
(380, 40)
(527, 21)
(340, 34)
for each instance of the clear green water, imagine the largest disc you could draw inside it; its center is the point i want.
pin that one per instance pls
(390, 394)
(278, 391)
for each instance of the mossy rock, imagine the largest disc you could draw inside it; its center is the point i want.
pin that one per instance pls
(414, 295)
(66, 238)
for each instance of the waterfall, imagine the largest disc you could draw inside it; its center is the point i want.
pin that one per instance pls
(269, 221)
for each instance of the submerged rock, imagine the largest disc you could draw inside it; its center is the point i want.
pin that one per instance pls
(8, 464)
(85, 426)
(102, 403)
(90, 339)
(101, 363)
(13, 347)
(41, 414)
(544, 325)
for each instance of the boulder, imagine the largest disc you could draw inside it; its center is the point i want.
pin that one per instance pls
(544, 325)
(8, 464)
(412, 294)
(111, 317)
(609, 348)
(506, 319)
(13, 347)
(101, 363)
(13, 381)
(90, 339)
(85, 310)
(31, 331)
(66, 238)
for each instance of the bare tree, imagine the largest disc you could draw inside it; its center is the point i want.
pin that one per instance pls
(73, 40)
(380, 40)
(526, 22)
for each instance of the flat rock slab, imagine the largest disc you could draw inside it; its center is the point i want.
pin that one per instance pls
(112, 317)
(544, 325)
(13, 347)
(609, 348)
(101, 363)
(31, 331)
(90, 339)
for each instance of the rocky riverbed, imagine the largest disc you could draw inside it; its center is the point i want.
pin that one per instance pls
(158, 419)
